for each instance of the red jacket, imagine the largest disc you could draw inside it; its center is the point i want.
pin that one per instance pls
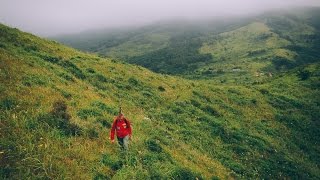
(121, 126)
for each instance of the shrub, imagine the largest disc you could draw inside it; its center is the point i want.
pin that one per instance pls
(185, 174)
(304, 74)
(195, 103)
(101, 176)
(60, 119)
(59, 110)
(90, 70)
(2, 45)
(50, 59)
(34, 80)
(161, 88)
(31, 48)
(101, 78)
(153, 146)
(133, 81)
(66, 64)
(254, 101)
(73, 69)
(85, 113)
(105, 123)
(282, 63)
(236, 167)
(8, 103)
(147, 93)
(66, 94)
(66, 77)
(210, 110)
(92, 133)
(102, 106)
(72, 129)
(215, 178)
(114, 164)
(264, 91)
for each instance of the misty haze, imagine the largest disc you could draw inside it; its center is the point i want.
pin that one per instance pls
(48, 18)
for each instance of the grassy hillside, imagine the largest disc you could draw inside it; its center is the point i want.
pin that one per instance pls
(169, 47)
(234, 50)
(57, 106)
(270, 44)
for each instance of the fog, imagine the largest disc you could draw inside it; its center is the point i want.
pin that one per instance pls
(52, 17)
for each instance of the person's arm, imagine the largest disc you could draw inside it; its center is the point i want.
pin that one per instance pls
(113, 129)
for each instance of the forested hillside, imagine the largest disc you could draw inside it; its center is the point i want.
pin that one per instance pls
(232, 49)
(57, 105)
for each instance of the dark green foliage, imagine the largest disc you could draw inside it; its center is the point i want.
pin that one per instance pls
(60, 119)
(105, 123)
(86, 113)
(51, 59)
(210, 110)
(31, 48)
(180, 56)
(236, 167)
(284, 102)
(185, 174)
(8, 103)
(133, 81)
(304, 74)
(113, 163)
(195, 103)
(282, 63)
(153, 145)
(33, 80)
(8, 145)
(68, 65)
(101, 78)
(66, 76)
(161, 88)
(256, 53)
(307, 55)
(264, 91)
(2, 45)
(59, 110)
(254, 101)
(147, 93)
(66, 94)
(90, 70)
(99, 85)
(278, 166)
(92, 133)
(102, 106)
(215, 178)
(101, 176)
(73, 69)
(201, 96)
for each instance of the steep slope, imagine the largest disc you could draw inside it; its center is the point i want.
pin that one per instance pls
(57, 105)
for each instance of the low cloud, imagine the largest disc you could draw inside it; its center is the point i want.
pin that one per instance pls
(47, 17)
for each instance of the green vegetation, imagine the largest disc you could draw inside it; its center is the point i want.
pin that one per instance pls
(57, 105)
(238, 50)
(180, 56)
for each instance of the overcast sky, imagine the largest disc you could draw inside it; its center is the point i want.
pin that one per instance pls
(51, 17)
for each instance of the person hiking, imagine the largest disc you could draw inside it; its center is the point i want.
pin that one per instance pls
(121, 126)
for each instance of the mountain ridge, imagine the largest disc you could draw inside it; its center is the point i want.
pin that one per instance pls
(179, 47)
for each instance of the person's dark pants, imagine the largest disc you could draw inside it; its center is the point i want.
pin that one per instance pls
(124, 142)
